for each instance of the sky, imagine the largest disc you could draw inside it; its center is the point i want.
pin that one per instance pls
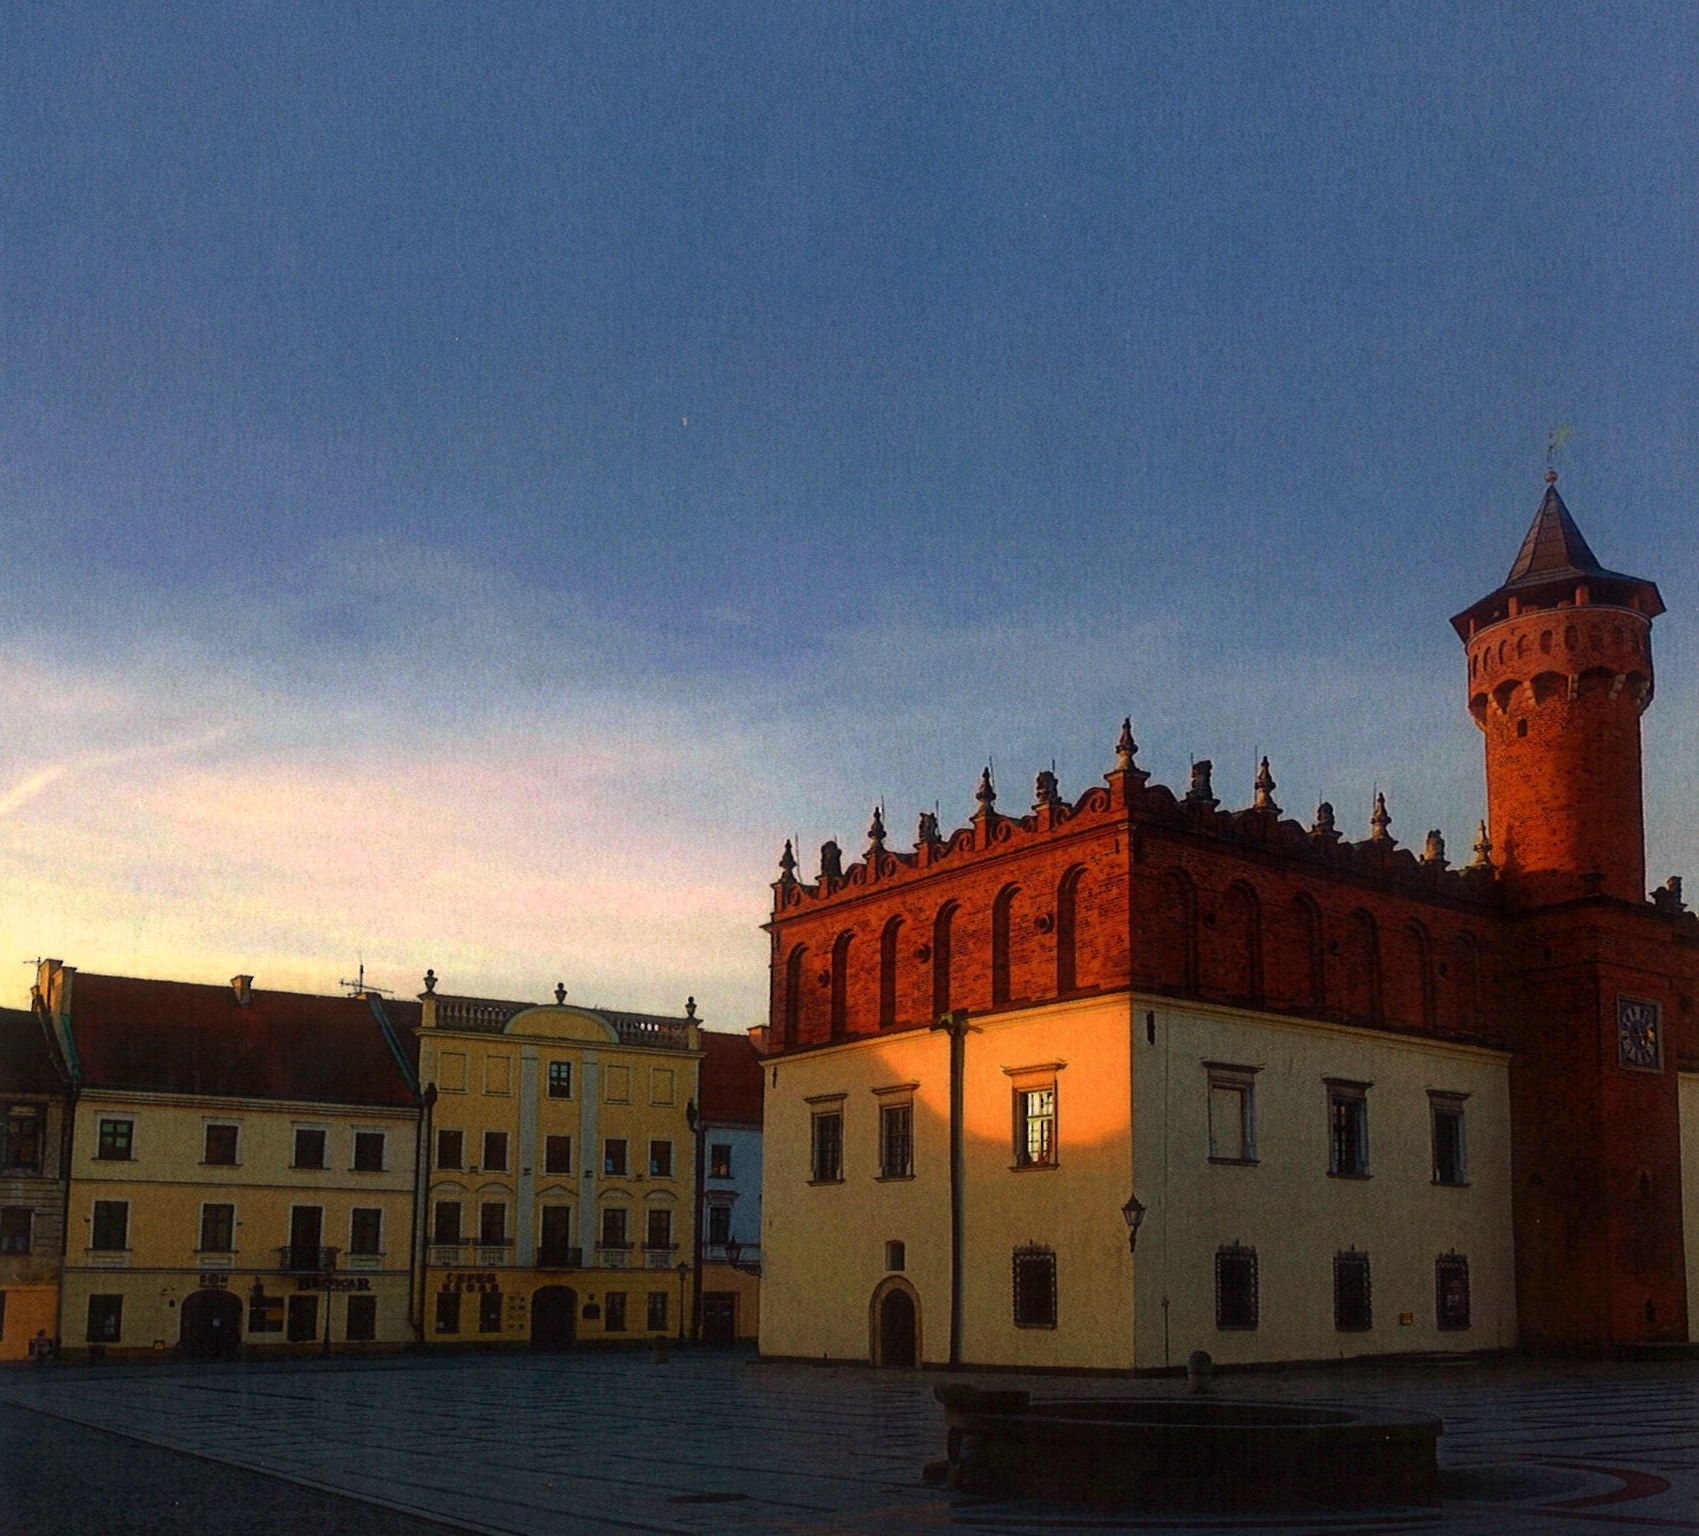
(476, 479)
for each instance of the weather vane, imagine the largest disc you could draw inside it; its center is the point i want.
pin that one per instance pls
(1554, 446)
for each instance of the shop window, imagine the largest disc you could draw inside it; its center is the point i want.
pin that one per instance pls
(117, 1141)
(661, 1159)
(448, 1312)
(614, 1156)
(720, 1160)
(1348, 1129)
(896, 1141)
(15, 1225)
(1235, 1287)
(446, 1227)
(613, 1318)
(105, 1319)
(1451, 1291)
(1445, 1111)
(220, 1145)
(309, 1148)
(368, 1151)
(495, 1151)
(660, 1230)
(110, 1229)
(24, 1124)
(365, 1230)
(1353, 1310)
(489, 1312)
(218, 1229)
(1232, 1113)
(827, 1160)
(657, 1319)
(557, 1154)
(492, 1223)
(719, 1225)
(451, 1149)
(1035, 1287)
(560, 1079)
(303, 1317)
(362, 1319)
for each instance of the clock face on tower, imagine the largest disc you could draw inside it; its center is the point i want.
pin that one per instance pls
(1638, 1042)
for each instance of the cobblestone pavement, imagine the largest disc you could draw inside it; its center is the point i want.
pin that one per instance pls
(599, 1444)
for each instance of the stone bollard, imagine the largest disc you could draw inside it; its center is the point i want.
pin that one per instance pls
(1200, 1369)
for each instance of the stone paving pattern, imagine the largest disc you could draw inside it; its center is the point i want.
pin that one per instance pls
(597, 1444)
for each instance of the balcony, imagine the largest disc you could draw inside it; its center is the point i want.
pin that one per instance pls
(445, 1255)
(306, 1259)
(559, 1256)
(613, 1255)
(493, 1250)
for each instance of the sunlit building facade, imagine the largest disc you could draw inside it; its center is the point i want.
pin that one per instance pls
(1129, 1075)
(729, 1136)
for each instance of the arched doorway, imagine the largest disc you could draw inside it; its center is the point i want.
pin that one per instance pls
(554, 1317)
(896, 1325)
(211, 1324)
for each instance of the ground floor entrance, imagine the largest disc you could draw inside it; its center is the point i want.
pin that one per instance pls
(719, 1317)
(211, 1327)
(554, 1317)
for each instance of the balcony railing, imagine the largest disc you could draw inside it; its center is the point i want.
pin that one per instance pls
(306, 1259)
(559, 1256)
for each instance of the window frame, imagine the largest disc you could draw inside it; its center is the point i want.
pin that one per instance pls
(356, 1237)
(826, 1145)
(217, 1127)
(23, 1125)
(363, 1162)
(1447, 1106)
(656, 1319)
(108, 1141)
(1228, 1078)
(302, 1305)
(662, 1216)
(457, 1138)
(10, 1243)
(660, 1167)
(557, 1082)
(445, 1316)
(719, 1215)
(97, 1219)
(616, 1165)
(489, 1312)
(1344, 1261)
(309, 1131)
(492, 1217)
(613, 1312)
(1455, 1266)
(609, 1218)
(209, 1227)
(360, 1324)
(561, 1145)
(719, 1160)
(1351, 1097)
(105, 1319)
(1233, 1258)
(498, 1143)
(438, 1237)
(896, 1139)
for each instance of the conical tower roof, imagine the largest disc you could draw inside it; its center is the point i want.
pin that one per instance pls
(1553, 546)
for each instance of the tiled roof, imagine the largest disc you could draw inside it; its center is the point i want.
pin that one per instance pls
(27, 1064)
(731, 1081)
(1553, 546)
(183, 1037)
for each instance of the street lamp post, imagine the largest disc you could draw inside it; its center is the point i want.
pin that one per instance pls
(683, 1275)
(1133, 1214)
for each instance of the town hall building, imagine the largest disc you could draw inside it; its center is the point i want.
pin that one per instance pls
(1114, 1078)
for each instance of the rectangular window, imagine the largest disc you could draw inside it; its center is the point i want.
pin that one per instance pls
(613, 1156)
(720, 1160)
(613, 1318)
(1353, 1311)
(117, 1139)
(1348, 1129)
(557, 1154)
(719, 1225)
(362, 1319)
(1035, 1288)
(613, 1227)
(896, 1141)
(661, 1159)
(303, 1318)
(1235, 1287)
(489, 1312)
(1035, 1127)
(24, 1124)
(495, 1151)
(657, 1319)
(365, 1230)
(309, 1148)
(616, 1085)
(218, 1229)
(105, 1319)
(827, 1162)
(556, 1242)
(368, 1151)
(1445, 1110)
(1232, 1118)
(448, 1312)
(110, 1230)
(1451, 1291)
(896, 1255)
(660, 1230)
(220, 1145)
(447, 1225)
(661, 1089)
(15, 1223)
(560, 1079)
(451, 1149)
(492, 1222)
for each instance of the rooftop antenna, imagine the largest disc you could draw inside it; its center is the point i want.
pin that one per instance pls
(359, 988)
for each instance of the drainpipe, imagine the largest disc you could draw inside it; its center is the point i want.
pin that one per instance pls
(421, 1187)
(956, 1024)
(698, 1130)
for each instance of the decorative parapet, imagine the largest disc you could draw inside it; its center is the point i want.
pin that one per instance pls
(475, 1013)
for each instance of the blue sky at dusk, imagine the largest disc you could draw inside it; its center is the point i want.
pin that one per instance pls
(477, 478)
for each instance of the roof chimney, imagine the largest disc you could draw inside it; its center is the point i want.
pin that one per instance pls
(243, 987)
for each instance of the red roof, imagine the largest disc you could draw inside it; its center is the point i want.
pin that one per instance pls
(731, 1080)
(183, 1037)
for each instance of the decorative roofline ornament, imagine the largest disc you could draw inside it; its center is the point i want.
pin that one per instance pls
(1202, 792)
(787, 864)
(876, 831)
(1265, 787)
(1483, 850)
(1433, 851)
(1125, 748)
(926, 833)
(1379, 820)
(1323, 825)
(1045, 791)
(831, 861)
(986, 794)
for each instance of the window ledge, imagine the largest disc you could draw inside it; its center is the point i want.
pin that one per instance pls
(1034, 1168)
(838, 1180)
(1451, 1183)
(207, 1162)
(1048, 1326)
(1236, 1162)
(1354, 1177)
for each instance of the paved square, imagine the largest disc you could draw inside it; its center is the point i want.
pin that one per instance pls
(593, 1444)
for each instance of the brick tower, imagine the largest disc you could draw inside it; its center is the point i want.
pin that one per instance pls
(1560, 669)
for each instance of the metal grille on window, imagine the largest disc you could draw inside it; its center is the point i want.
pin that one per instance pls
(1235, 1287)
(1352, 1301)
(1451, 1291)
(1035, 1287)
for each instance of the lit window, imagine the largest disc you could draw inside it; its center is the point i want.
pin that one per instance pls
(1035, 1288)
(1235, 1287)
(1451, 1291)
(896, 1141)
(1232, 1113)
(1353, 1310)
(720, 1160)
(309, 1149)
(560, 1079)
(117, 1139)
(220, 1144)
(1035, 1127)
(368, 1151)
(1450, 1160)
(557, 1154)
(827, 1147)
(1348, 1129)
(218, 1228)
